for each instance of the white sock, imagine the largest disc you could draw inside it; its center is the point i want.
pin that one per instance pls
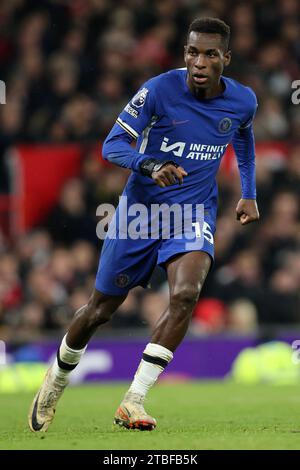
(68, 357)
(155, 359)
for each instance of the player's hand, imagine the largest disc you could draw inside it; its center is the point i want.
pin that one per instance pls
(247, 211)
(169, 175)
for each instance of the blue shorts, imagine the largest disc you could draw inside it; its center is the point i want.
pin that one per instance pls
(125, 264)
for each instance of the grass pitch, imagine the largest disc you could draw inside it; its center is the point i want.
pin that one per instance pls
(190, 416)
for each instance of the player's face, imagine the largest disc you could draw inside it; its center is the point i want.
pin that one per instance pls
(205, 59)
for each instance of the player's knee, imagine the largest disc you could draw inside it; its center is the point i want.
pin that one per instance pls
(97, 316)
(184, 299)
(98, 311)
(101, 316)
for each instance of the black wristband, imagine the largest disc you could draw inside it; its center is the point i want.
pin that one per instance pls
(152, 164)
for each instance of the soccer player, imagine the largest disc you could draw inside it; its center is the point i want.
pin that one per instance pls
(183, 121)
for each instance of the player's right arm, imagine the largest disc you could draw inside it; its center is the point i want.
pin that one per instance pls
(135, 119)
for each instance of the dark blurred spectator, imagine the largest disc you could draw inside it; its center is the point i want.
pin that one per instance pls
(84, 259)
(110, 97)
(31, 323)
(271, 122)
(282, 300)
(128, 315)
(281, 229)
(10, 285)
(69, 221)
(288, 177)
(242, 318)
(42, 286)
(241, 279)
(152, 307)
(33, 249)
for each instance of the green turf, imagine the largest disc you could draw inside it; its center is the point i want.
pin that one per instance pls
(190, 416)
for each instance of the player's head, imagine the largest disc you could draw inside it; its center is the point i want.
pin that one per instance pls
(206, 52)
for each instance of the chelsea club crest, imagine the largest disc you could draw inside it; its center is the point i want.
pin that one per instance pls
(122, 280)
(225, 125)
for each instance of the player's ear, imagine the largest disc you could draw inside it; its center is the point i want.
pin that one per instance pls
(227, 58)
(185, 50)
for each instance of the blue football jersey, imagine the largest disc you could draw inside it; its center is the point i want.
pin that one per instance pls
(170, 123)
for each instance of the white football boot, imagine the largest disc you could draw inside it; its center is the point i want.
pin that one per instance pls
(42, 409)
(132, 415)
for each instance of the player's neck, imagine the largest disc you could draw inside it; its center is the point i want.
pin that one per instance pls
(207, 93)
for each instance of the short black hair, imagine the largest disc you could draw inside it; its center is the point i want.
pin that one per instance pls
(211, 26)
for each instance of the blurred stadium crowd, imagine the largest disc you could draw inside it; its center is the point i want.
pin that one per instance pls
(70, 67)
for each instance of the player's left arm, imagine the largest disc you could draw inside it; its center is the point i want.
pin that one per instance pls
(243, 144)
(244, 147)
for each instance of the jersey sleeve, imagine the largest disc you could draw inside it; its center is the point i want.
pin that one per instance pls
(132, 121)
(244, 147)
(251, 110)
(137, 114)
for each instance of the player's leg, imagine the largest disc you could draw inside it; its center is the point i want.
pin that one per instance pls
(86, 320)
(123, 265)
(186, 275)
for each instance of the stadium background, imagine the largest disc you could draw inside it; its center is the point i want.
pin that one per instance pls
(69, 68)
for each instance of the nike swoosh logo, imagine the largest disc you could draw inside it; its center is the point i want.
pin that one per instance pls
(175, 123)
(128, 412)
(35, 424)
